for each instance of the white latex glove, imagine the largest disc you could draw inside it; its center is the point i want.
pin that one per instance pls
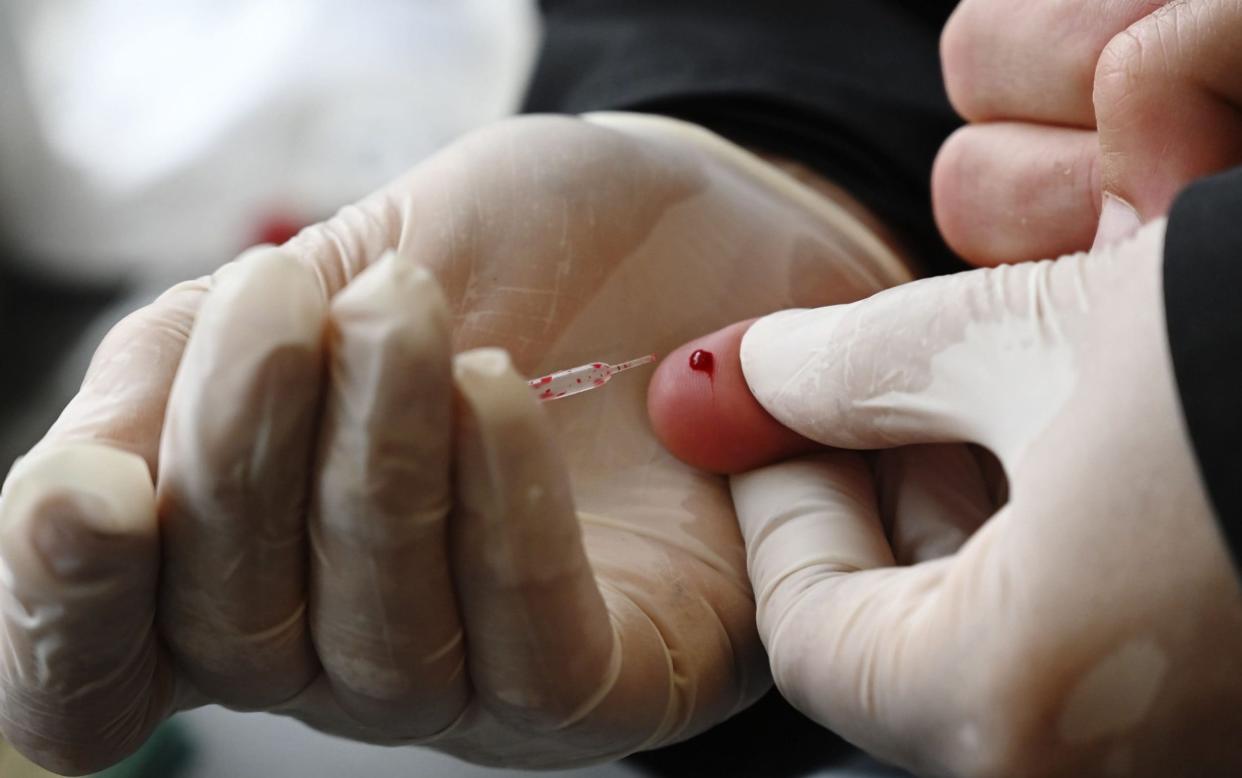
(571, 593)
(1092, 626)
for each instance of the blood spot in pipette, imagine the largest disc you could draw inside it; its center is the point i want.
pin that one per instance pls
(703, 362)
(545, 380)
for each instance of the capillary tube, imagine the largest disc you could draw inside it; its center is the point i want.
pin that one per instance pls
(583, 378)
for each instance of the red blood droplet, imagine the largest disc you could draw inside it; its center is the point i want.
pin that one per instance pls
(545, 380)
(703, 362)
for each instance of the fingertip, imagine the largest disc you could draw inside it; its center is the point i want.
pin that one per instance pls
(270, 290)
(86, 510)
(705, 414)
(83, 679)
(498, 419)
(396, 285)
(481, 371)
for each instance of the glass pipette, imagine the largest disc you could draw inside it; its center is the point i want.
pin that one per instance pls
(575, 380)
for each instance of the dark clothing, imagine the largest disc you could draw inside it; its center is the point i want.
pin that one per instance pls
(850, 89)
(1203, 310)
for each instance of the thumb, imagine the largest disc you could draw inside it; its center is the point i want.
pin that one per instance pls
(875, 652)
(1167, 100)
(978, 357)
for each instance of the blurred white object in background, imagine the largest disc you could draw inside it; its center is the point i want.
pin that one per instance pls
(158, 137)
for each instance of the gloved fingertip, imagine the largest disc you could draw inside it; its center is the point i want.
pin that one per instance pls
(391, 287)
(491, 395)
(702, 409)
(288, 289)
(66, 531)
(86, 508)
(481, 365)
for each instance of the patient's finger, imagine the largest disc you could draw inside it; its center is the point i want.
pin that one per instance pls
(703, 412)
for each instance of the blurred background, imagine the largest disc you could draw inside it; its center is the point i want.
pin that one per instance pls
(143, 142)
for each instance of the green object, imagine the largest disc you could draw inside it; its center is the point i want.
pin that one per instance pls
(167, 754)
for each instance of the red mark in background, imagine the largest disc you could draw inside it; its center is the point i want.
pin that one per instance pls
(703, 362)
(276, 228)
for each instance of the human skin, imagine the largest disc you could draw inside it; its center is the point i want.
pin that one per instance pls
(1081, 114)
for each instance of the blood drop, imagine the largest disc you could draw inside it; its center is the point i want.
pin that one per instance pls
(703, 362)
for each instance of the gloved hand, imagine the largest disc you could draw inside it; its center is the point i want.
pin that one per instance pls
(351, 527)
(1067, 100)
(1092, 626)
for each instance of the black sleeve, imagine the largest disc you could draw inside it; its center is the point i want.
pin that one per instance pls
(1203, 310)
(850, 89)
